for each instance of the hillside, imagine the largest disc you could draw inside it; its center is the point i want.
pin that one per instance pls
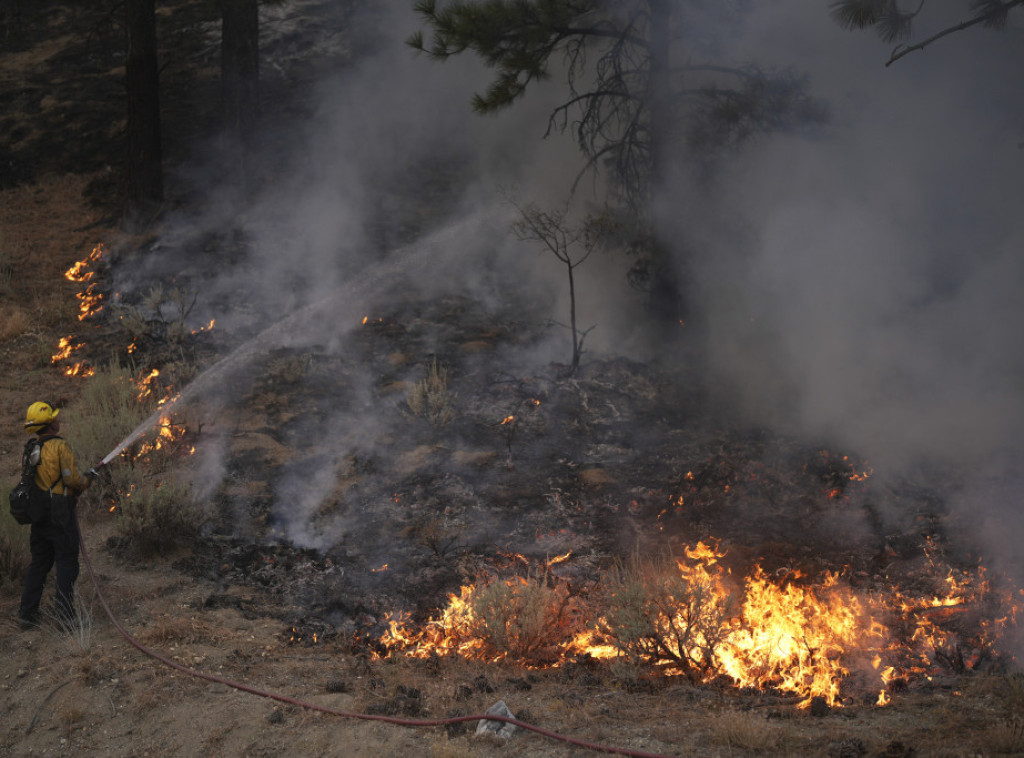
(427, 441)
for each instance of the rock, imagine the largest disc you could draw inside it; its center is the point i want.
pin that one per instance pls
(501, 729)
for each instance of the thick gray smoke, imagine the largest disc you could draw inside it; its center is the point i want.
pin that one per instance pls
(865, 284)
(862, 284)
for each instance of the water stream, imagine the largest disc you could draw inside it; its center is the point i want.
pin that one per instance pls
(338, 312)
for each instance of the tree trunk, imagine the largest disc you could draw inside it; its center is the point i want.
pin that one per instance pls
(144, 186)
(665, 295)
(143, 173)
(240, 81)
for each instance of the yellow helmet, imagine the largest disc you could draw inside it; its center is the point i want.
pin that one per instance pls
(39, 415)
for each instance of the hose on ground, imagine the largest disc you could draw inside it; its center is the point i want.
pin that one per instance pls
(337, 711)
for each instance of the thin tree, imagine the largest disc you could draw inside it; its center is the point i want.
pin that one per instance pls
(572, 245)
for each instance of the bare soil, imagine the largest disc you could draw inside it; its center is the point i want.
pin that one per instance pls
(244, 605)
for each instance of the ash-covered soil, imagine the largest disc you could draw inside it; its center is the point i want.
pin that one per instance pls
(323, 455)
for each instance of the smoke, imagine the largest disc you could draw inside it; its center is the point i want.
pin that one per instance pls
(863, 284)
(860, 284)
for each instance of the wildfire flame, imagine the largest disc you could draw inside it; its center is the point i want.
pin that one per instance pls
(145, 384)
(81, 271)
(65, 347)
(783, 631)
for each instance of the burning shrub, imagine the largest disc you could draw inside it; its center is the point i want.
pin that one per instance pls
(665, 612)
(430, 398)
(533, 620)
(527, 619)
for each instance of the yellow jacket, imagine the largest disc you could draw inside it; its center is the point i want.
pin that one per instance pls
(56, 472)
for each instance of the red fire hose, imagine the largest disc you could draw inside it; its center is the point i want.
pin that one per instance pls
(336, 711)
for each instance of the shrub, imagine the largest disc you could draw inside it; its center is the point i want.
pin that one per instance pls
(530, 619)
(658, 612)
(158, 517)
(106, 412)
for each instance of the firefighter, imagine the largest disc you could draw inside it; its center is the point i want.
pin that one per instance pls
(54, 537)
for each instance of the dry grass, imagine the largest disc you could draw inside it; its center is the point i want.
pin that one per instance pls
(14, 321)
(744, 729)
(77, 632)
(165, 630)
(430, 398)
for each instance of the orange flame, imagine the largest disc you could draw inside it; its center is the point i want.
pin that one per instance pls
(80, 272)
(145, 384)
(90, 302)
(784, 631)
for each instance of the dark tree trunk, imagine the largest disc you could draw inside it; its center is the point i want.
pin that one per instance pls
(665, 296)
(240, 81)
(144, 183)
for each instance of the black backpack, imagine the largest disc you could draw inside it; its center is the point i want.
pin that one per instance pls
(29, 504)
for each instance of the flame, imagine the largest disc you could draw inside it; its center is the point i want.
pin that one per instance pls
(206, 328)
(507, 420)
(90, 302)
(81, 271)
(558, 559)
(785, 631)
(383, 567)
(145, 384)
(168, 434)
(79, 369)
(794, 638)
(65, 347)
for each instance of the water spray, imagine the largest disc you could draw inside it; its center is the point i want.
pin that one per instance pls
(409, 261)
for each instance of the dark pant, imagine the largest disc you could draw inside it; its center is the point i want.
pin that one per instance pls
(51, 542)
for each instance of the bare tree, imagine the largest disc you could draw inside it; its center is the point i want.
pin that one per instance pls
(572, 245)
